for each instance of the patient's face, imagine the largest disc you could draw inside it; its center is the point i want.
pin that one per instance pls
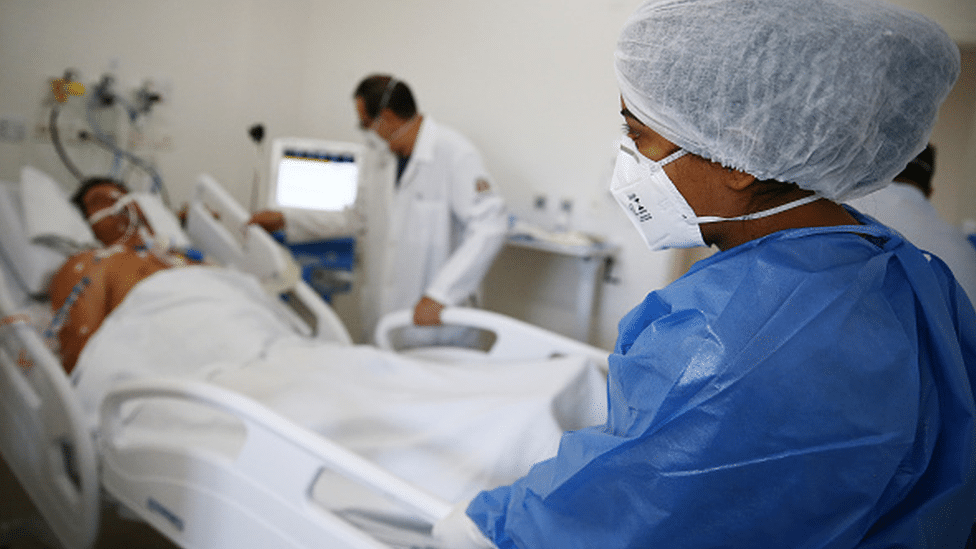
(111, 228)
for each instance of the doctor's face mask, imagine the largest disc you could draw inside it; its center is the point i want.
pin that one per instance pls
(373, 140)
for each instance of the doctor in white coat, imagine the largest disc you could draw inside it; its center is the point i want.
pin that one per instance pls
(435, 223)
(904, 206)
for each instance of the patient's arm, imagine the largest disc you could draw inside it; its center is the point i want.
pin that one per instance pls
(88, 287)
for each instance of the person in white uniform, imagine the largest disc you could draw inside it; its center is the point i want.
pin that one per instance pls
(444, 222)
(433, 221)
(301, 225)
(904, 206)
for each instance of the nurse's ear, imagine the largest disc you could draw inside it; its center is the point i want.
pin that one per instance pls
(737, 180)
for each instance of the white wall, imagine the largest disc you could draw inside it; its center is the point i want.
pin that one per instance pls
(954, 137)
(957, 17)
(223, 63)
(530, 81)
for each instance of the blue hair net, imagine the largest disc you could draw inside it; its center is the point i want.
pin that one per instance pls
(834, 95)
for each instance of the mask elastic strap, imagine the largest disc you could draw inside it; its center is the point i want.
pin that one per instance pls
(111, 210)
(387, 93)
(628, 146)
(765, 213)
(672, 157)
(402, 129)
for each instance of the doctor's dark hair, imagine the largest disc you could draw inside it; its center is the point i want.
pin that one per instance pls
(383, 91)
(920, 170)
(79, 195)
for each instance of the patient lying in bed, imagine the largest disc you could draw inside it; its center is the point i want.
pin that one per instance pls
(453, 429)
(92, 283)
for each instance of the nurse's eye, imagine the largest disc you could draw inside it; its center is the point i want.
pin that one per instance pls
(630, 132)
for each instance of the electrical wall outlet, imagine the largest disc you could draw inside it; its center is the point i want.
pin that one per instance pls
(539, 202)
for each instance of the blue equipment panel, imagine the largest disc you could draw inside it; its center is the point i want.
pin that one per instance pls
(326, 264)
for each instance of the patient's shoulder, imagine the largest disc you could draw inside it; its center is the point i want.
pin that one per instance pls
(71, 271)
(97, 265)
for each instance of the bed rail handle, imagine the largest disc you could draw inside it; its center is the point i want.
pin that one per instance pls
(269, 437)
(44, 439)
(220, 226)
(328, 325)
(515, 339)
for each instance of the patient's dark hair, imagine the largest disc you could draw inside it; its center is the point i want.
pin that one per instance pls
(375, 88)
(78, 197)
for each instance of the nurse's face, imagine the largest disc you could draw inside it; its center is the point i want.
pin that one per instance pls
(703, 184)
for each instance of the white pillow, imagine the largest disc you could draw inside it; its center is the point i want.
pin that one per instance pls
(49, 216)
(162, 220)
(13, 295)
(33, 264)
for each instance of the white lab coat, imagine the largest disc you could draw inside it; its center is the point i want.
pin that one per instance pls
(904, 208)
(435, 234)
(304, 225)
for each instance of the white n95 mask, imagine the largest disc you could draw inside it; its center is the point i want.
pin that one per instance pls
(373, 140)
(653, 204)
(657, 209)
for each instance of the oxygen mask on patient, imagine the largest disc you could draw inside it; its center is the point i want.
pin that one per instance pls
(116, 208)
(125, 204)
(158, 245)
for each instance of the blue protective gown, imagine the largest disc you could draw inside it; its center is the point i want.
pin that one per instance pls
(813, 388)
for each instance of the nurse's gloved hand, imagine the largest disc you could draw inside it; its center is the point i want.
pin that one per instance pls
(457, 531)
(427, 312)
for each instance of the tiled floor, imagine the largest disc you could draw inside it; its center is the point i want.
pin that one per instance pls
(18, 517)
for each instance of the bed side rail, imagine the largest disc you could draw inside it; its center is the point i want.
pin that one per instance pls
(43, 437)
(218, 224)
(514, 339)
(262, 497)
(325, 323)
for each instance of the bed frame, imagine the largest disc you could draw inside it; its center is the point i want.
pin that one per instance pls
(214, 221)
(260, 495)
(509, 338)
(198, 498)
(42, 436)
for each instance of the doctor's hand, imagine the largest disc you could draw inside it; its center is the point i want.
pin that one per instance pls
(271, 220)
(427, 312)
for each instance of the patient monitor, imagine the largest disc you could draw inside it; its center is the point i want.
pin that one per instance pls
(313, 174)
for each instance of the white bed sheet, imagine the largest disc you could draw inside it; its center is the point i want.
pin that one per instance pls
(452, 429)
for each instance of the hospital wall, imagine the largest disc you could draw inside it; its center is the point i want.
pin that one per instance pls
(529, 81)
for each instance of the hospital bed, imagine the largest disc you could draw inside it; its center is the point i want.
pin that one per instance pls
(281, 486)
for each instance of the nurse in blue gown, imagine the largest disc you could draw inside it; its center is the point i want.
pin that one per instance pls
(811, 383)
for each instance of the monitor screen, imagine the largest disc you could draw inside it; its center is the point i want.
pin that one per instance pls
(314, 178)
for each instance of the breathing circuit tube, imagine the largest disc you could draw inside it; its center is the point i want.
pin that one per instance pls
(58, 146)
(103, 96)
